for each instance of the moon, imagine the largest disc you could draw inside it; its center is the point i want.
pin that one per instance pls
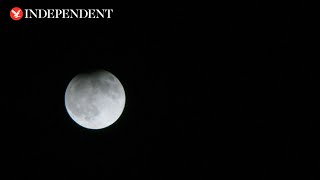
(95, 100)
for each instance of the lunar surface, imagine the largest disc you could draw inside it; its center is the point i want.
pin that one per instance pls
(95, 100)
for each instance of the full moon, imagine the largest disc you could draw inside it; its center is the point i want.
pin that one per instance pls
(95, 100)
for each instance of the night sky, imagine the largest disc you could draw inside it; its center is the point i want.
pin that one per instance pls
(221, 92)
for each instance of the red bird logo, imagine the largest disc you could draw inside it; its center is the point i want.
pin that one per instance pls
(16, 13)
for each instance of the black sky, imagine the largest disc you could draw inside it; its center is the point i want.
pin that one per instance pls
(220, 91)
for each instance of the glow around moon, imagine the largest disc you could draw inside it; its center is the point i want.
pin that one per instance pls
(95, 100)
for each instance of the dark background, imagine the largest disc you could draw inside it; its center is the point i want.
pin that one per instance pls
(222, 91)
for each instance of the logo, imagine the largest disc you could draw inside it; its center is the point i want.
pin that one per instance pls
(16, 13)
